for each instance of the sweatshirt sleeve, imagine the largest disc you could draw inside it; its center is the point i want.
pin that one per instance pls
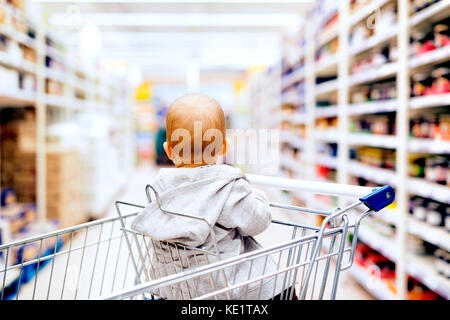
(246, 209)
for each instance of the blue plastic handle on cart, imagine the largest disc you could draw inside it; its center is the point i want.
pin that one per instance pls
(379, 198)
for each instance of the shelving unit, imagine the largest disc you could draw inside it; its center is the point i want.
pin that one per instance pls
(84, 92)
(342, 108)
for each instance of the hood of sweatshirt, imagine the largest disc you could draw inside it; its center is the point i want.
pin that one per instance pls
(203, 192)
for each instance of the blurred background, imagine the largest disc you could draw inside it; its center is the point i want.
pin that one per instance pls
(358, 89)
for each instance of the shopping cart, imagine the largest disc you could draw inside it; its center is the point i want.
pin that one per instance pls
(105, 259)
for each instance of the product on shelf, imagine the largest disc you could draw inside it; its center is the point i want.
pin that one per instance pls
(325, 124)
(418, 291)
(18, 169)
(18, 215)
(326, 173)
(294, 95)
(432, 212)
(442, 262)
(64, 193)
(329, 149)
(327, 50)
(433, 168)
(367, 257)
(375, 157)
(375, 58)
(431, 126)
(379, 124)
(54, 87)
(431, 83)
(374, 92)
(437, 37)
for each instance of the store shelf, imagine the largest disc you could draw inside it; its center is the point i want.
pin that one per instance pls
(405, 186)
(326, 136)
(18, 98)
(294, 118)
(326, 87)
(378, 175)
(22, 65)
(435, 12)
(55, 75)
(327, 36)
(326, 112)
(326, 161)
(374, 41)
(423, 269)
(366, 11)
(327, 65)
(293, 140)
(429, 145)
(427, 189)
(390, 216)
(18, 37)
(435, 235)
(378, 242)
(372, 107)
(374, 74)
(432, 57)
(376, 287)
(56, 54)
(292, 78)
(290, 163)
(430, 101)
(372, 140)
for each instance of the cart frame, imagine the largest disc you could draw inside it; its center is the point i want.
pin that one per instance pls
(374, 199)
(104, 259)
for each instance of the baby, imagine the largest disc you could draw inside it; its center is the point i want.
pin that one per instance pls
(220, 194)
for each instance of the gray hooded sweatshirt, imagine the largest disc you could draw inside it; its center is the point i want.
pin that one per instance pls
(223, 196)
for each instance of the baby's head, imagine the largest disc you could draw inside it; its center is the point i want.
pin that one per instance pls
(195, 127)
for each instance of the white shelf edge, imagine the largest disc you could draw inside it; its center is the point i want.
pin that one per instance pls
(328, 35)
(435, 235)
(373, 41)
(376, 73)
(372, 107)
(326, 112)
(429, 145)
(426, 189)
(430, 101)
(427, 13)
(378, 175)
(432, 57)
(326, 87)
(326, 136)
(326, 161)
(326, 63)
(373, 140)
(292, 78)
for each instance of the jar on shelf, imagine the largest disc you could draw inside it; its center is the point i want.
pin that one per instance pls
(434, 214)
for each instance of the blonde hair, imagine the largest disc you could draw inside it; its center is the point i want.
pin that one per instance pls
(190, 116)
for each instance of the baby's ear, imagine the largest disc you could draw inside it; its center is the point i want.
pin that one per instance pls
(226, 144)
(167, 149)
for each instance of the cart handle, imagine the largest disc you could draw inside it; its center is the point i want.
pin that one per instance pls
(336, 189)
